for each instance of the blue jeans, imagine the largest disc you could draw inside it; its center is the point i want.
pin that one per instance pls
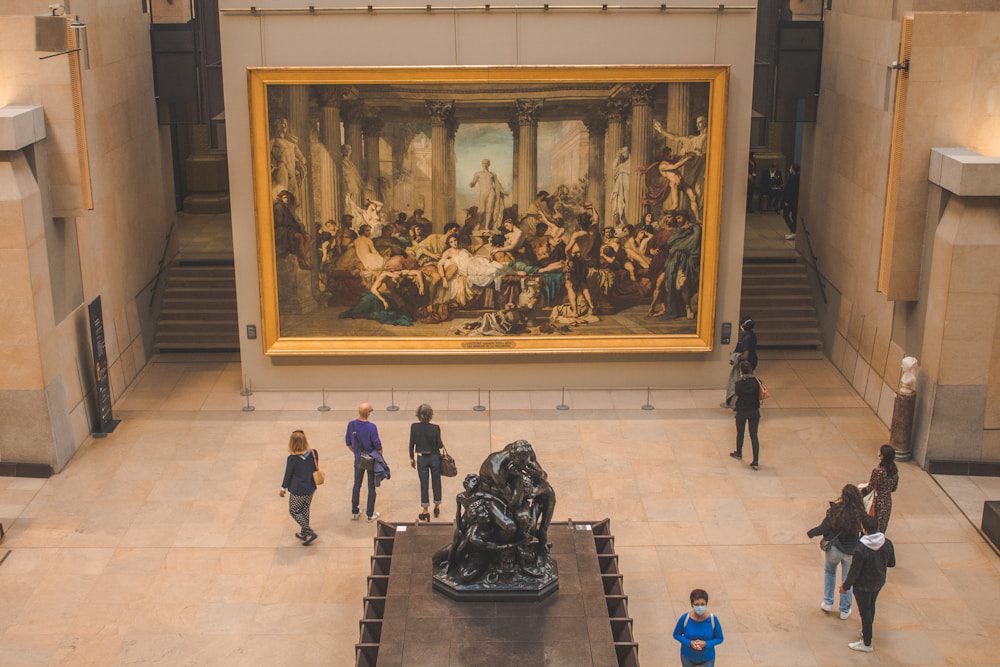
(359, 475)
(429, 465)
(687, 663)
(836, 557)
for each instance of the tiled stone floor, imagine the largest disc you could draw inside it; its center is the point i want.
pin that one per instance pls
(166, 543)
(970, 492)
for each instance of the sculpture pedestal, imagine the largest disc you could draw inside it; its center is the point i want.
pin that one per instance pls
(901, 430)
(512, 586)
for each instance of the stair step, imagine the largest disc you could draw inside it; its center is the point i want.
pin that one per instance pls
(173, 338)
(207, 326)
(199, 291)
(193, 313)
(180, 347)
(209, 283)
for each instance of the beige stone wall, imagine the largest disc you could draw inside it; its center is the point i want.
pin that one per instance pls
(487, 39)
(953, 100)
(121, 239)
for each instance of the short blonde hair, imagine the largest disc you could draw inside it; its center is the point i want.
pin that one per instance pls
(297, 443)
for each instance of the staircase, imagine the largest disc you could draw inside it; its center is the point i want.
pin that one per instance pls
(199, 308)
(777, 295)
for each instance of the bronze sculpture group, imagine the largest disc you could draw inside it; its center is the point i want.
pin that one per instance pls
(500, 547)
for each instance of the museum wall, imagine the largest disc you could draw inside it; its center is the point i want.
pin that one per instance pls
(951, 92)
(486, 39)
(67, 255)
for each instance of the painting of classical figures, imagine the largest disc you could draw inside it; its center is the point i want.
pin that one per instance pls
(503, 209)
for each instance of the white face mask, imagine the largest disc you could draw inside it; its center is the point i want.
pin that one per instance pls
(700, 609)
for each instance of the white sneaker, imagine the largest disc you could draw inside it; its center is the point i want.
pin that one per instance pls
(844, 615)
(826, 607)
(860, 646)
(355, 516)
(373, 517)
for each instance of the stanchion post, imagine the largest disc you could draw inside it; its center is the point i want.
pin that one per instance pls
(392, 407)
(479, 407)
(248, 407)
(324, 407)
(648, 405)
(247, 388)
(562, 405)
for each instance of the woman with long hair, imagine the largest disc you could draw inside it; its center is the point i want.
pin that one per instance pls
(884, 482)
(841, 528)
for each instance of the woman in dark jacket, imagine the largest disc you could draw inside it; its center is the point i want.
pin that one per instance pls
(873, 556)
(840, 529)
(425, 439)
(302, 462)
(884, 481)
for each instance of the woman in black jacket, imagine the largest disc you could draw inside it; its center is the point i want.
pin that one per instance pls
(873, 556)
(840, 529)
(425, 439)
(302, 462)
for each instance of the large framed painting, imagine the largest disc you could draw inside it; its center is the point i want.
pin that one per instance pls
(457, 210)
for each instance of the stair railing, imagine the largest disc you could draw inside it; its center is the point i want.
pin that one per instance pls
(813, 261)
(163, 261)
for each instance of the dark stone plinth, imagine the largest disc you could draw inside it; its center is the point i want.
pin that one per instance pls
(524, 588)
(569, 627)
(991, 521)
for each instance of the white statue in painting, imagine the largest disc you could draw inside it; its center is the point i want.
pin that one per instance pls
(353, 183)
(619, 191)
(288, 164)
(908, 380)
(489, 196)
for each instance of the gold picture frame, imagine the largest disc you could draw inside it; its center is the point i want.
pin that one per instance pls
(700, 340)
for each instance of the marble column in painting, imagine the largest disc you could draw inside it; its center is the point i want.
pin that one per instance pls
(516, 134)
(440, 113)
(527, 153)
(299, 126)
(451, 196)
(595, 163)
(352, 114)
(371, 125)
(614, 140)
(329, 131)
(678, 109)
(641, 96)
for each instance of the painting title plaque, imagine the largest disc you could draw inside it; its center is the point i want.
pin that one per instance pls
(498, 211)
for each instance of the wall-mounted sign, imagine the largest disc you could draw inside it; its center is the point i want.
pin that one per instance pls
(106, 423)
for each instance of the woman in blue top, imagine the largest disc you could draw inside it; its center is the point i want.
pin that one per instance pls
(699, 632)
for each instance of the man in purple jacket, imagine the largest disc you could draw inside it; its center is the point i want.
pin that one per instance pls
(362, 438)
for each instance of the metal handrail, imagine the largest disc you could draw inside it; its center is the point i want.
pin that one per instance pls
(814, 261)
(485, 8)
(163, 260)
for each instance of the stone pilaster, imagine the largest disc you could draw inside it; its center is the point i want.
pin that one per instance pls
(527, 153)
(641, 95)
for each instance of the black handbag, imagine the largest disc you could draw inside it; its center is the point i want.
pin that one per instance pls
(448, 467)
(367, 461)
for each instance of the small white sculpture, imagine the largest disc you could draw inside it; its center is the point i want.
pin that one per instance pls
(908, 380)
